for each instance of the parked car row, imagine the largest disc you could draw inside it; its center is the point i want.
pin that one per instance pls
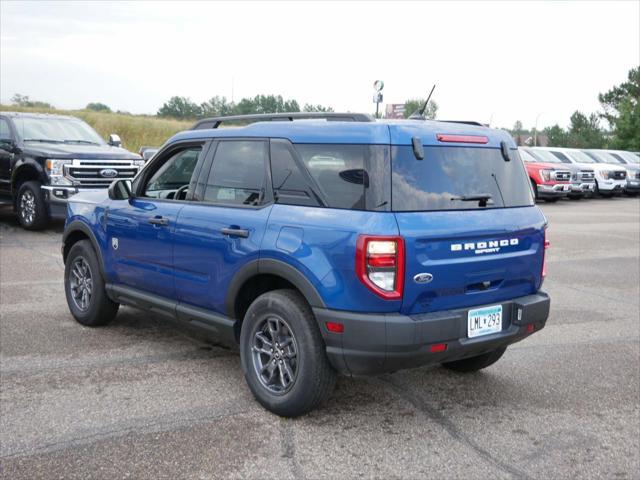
(569, 172)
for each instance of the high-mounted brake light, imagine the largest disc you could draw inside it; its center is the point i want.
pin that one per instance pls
(380, 265)
(443, 137)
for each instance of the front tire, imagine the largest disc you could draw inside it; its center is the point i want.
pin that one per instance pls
(30, 206)
(474, 364)
(283, 354)
(84, 287)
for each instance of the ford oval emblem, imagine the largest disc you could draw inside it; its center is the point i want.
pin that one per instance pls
(423, 278)
(108, 173)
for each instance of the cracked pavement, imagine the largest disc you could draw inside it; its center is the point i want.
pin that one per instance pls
(145, 398)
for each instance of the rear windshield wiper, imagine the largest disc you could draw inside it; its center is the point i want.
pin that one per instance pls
(483, 199)
(43, 140)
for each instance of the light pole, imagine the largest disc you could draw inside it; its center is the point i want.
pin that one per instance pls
(378, 85)
(535, 131)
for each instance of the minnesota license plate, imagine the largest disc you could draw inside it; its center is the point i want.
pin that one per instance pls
(483, 321)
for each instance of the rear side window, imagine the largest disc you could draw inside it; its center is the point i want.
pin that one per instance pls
(339, 173)
(238, 173)
(290, 185)
(453, 178)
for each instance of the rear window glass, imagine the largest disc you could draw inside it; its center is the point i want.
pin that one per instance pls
(457, 178)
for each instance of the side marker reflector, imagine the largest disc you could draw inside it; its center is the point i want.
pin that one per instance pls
(335, 327)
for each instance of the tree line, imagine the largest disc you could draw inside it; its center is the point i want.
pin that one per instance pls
(620, 114)
(184, 108)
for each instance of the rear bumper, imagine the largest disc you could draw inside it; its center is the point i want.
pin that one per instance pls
(377, 343)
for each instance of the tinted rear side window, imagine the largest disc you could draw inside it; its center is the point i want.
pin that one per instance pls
(238, 173)
(449, 176)
(290, 185)
(339, 172)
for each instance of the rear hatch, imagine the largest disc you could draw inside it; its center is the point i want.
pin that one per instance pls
(473, 235)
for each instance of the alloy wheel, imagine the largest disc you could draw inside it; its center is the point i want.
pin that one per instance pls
(275, 355)
(81, 283)
(28, 207)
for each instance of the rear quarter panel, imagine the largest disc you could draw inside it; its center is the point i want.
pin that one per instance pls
(321, 244)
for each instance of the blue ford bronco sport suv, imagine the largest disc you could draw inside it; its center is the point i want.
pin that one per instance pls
(336, 244)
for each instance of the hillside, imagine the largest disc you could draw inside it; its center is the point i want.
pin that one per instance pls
(134, 130)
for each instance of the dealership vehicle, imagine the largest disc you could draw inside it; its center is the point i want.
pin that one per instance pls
(320, 247)
(147, 152)
(550, 179)
(582, 178)
(620, 158)
(45, 159)
(610, 179)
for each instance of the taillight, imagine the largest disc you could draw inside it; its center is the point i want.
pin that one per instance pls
(380, 265)
(544, 256)
(443, 137)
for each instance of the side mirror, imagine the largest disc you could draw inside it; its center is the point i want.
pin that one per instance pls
(8, 146)
(114, 140)
(120, 189)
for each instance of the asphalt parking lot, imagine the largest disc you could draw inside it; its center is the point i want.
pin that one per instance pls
(143, 399)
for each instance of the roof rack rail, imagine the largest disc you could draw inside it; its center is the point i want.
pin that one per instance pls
(466, 122)
(214, 122)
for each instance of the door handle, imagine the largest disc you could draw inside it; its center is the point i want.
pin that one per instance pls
(161, 221)
(235, 232)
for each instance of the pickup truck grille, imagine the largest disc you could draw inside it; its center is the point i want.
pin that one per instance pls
(587, 175)
(562, 175)
(98, 173)
(619, 175)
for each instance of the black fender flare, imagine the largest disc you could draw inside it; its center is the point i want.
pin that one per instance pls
(79, 226)
(273, 267)
(29, 164)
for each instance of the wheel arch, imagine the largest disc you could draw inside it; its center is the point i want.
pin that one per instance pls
(263, 275)
(24, 172)
(75, 232)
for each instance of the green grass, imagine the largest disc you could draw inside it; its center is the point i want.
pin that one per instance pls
(134, 130)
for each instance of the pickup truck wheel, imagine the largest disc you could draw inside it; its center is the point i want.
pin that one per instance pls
(283, 355)
(474, 364)
(30, 206)
(84, 287)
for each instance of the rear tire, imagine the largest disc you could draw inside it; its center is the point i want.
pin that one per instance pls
(283, 354)
(474, 364)
(30, 206)
(84, 287)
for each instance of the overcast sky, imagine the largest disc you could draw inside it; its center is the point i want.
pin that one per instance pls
(491, 61)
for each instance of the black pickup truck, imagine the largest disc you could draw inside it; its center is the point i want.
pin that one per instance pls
(45, 159)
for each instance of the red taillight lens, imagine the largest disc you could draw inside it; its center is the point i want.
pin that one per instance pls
(544, 255)
(438, 348)
(443, 137)
(380, 265)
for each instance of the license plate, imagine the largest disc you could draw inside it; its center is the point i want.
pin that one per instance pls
(484, 321)
(567, 188)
